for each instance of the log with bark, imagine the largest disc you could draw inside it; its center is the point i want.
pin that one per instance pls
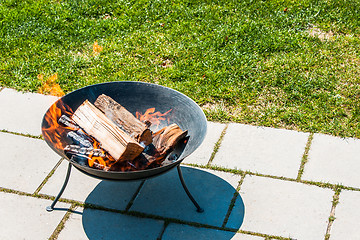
(167, 138)
(114, 140)
(124, 119)
(164, 142)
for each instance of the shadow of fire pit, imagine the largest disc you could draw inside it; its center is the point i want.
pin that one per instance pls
(164, 196)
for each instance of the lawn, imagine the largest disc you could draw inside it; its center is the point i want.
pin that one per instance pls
(287, 64)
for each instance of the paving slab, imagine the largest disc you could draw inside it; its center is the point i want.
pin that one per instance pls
(185, 232)
(202, 155)
(24, 217)
(284, 208)
(24, 111)
(25, 162)
(97, 224)
(164, 196)
(270, 151)
(334, 160)
(82, 188)
(347, 212)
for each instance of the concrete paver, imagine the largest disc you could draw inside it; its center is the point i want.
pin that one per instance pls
(276, 152)
(284, 208)
(97, 224)
(347, 212)
(334, 160)
(110, 194)
(213, 190)
(25, 162)
(24, 112)
(202, 155)
(184, 232)
(264, 205)
(25, 217)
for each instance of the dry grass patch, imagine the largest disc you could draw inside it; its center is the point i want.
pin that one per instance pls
(316, 32)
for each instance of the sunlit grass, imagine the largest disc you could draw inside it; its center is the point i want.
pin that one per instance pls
(288, 64)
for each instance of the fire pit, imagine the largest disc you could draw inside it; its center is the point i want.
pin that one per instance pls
(136, 97)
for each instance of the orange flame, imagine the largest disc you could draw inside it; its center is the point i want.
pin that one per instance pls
(100, 162)
(154, 117)
(97, 49)
(57, 133)
(53, 131)
(50, 86)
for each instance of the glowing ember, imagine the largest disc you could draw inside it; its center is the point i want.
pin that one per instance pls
(154, 117)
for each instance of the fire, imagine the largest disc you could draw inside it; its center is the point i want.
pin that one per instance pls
(50, 86)
(53, 131)
(154, 117)
(68, 138)
(100, 162)
(97, 49)
(57, 134)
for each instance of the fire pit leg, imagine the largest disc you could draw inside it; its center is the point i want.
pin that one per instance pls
(51, 208)
(198, 208)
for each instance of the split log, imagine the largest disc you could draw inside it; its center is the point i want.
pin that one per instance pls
(167, 138)
(123, 118)
(114, 140)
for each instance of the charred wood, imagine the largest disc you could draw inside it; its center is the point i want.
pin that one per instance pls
(79, 140)
(68, 122)
(77, 150)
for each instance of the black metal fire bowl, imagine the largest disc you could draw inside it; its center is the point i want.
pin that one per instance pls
(139, 96)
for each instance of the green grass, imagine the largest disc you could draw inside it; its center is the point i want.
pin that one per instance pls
(246, 61)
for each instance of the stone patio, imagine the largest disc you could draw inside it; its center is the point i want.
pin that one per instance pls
(253, 182)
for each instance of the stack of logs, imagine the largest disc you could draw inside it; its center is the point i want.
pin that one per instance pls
(111, 138)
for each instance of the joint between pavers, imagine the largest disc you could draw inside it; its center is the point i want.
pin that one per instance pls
(233, 200)
(8, 190)
(304, 158)
(131, 202)
(22, 134)
(240, 172)
(75, 204)
(217, 145)
(216, 168)
(178, 221)
(61, 225)
(166, 223)
(266, 236)
(332, 212)
(48, 177)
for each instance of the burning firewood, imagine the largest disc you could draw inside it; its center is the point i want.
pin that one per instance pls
(167, 138)
(68, 122)
(77, 150)
(77, 139)
(114, 140)
(107, 136)
(123, 118)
